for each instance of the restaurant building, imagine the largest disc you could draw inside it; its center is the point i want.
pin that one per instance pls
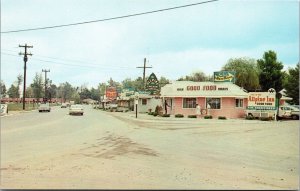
(214, 98)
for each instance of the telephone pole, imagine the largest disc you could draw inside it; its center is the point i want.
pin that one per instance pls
(144, 73)
(45, 81)
(25, 61)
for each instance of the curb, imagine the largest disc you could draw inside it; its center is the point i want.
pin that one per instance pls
(145, 118)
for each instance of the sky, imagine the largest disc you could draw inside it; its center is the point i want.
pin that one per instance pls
(175, 43)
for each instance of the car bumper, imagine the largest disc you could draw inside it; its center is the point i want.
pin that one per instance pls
(75, 112)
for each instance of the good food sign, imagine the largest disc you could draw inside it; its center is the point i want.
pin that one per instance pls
(261, 101)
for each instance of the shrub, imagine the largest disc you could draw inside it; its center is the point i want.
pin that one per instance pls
(158, 109)
(192, 116)
(179, 116)
(166, 115)
(150, 113)
(249, 117)
(208, 117)
(222, 117)
(155, 114)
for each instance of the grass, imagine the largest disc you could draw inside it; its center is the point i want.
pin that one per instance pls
(28, 106)
(19, 107)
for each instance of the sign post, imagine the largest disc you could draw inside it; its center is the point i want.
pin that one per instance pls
(136, 101)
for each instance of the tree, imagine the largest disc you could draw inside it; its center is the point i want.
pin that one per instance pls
(127, 83)
(163, 81)
(29, 92)
(2, 89)
(113, 83)
(196, 77)
(270, 74)
(37, 86)
(95, 94)
(19, 81)
(138, 84)
(13, 92)
(52, 91)
(246, 72)
(101, 89)
(292, 84)
(66, 91)
(85, 94)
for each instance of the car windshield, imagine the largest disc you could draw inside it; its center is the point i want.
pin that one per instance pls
(76, 106)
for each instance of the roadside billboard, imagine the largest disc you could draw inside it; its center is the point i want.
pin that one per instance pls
(152, 84)
(224, 76)
(261, 101)
(111, 93)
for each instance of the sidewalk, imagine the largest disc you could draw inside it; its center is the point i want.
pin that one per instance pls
(144, 117)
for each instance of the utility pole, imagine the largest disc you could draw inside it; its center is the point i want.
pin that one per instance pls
(45, 81)
(25, 61)
(144, 73)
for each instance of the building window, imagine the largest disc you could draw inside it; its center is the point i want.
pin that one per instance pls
(189, 102)
(239, 102)
(144, 101)
(214, 103)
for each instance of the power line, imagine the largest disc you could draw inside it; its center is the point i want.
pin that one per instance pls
(67, 60)
(74, 65)
(107, 19)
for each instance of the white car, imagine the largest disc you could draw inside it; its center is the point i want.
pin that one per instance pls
(64, 105)
(287, 111)
(76, 109)
(44, 107)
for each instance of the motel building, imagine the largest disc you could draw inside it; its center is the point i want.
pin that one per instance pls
(214, 98)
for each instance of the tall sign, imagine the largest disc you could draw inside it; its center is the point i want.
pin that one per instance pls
(262, 100)
(152, 85)
(111, 93)
(224, 76)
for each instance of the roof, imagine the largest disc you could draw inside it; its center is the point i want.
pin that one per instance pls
(203, 89)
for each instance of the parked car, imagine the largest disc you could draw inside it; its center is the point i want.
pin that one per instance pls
(64, 105)
(3, 109)
(76, 109)
(111, 106)
(44, 107)
(287, 111)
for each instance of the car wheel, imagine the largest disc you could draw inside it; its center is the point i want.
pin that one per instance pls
(295, 117)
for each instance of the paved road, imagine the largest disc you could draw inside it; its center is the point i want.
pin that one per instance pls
(115, 150)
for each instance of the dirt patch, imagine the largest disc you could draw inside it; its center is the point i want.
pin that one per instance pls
(111, 146)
